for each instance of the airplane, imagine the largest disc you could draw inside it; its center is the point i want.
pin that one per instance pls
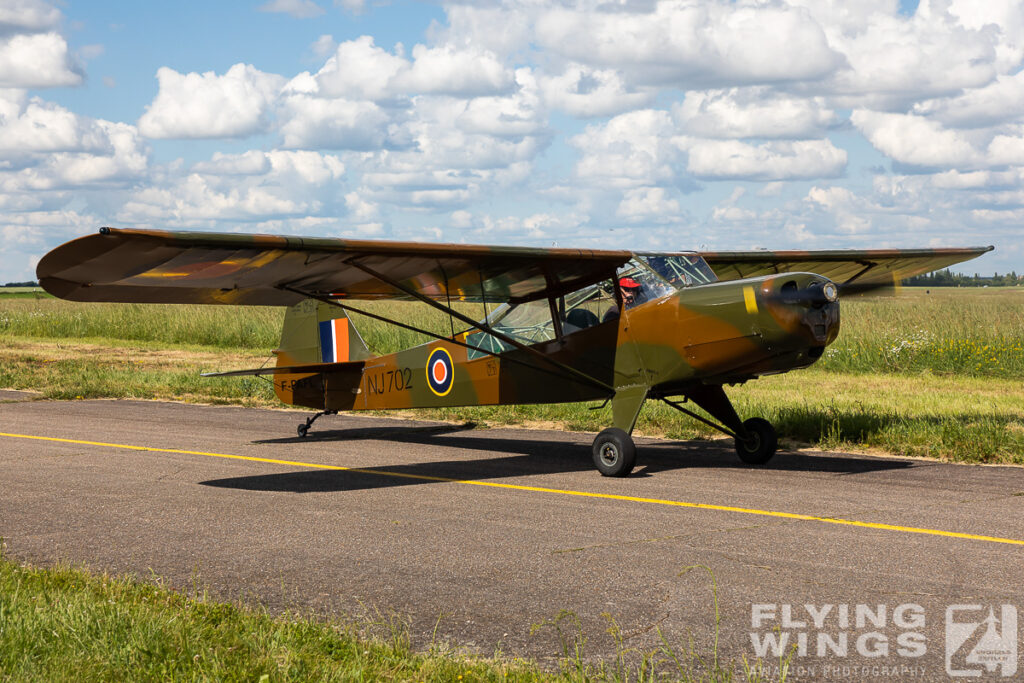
(559, 325)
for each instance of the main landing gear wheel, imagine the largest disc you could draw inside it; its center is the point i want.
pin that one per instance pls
(761, 443)
(614, 453)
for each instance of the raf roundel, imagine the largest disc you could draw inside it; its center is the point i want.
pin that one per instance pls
(439, 372)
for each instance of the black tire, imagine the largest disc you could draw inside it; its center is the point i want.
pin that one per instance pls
(761, 445)
(614, 453)
(302, 430)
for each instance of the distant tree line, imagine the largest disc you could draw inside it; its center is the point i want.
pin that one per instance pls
(22, 284)
(945, 278)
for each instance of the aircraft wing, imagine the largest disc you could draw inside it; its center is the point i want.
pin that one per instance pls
(852, 270)
(155, 266)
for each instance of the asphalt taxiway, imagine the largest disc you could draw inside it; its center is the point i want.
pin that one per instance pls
(476, 536)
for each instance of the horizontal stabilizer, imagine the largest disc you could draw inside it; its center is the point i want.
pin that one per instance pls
(311, 368)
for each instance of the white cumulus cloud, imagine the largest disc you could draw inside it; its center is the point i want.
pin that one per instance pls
(995, 103)
(240, 188)
(28, 15)
(648, 204)
(34, 125)
(915, 140)
(206, 105)
(683, 44)
(898, 59)
(1004, 18)
(782, 160)
(752, 113)
(126, 159)
(359, 70)
(633, 149)
(37, 60)
(252, 162)
(314, 122)
(514, 115)
(586, 93)
(453, 71)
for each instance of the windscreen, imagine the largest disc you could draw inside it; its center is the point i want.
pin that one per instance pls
(680, 270)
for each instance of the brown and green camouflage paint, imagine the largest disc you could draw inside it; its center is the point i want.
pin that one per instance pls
(706, 334)
(696, 337)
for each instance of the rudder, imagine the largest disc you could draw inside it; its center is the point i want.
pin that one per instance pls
(317, 332)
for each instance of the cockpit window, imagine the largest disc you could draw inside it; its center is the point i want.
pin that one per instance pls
(531, 323)
(681, 270)
(644, 278)
(640, 283)
(586, 307)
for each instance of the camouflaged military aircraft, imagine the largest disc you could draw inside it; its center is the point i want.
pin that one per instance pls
(558, 325)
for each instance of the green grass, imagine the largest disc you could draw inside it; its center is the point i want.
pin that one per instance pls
(23, 293)
(65, 624)
(938, 375)
(969, 332)
(227, 327)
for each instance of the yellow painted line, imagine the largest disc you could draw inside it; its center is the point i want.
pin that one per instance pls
(541, 489)
(750, 300)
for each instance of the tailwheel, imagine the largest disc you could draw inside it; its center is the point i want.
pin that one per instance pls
(304, 427)
(760, 444)
(614, 453)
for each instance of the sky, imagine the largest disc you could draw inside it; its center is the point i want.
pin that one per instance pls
(645, 124)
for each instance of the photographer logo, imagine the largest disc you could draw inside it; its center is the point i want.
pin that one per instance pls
(980, 640)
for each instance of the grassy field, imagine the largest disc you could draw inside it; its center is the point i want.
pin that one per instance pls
(65, 624)
(23, 293)
(937, 374)
(977, 332)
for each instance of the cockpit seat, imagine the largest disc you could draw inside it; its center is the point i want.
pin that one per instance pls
(581, 318)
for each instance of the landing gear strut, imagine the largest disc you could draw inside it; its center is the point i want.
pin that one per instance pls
(755, 438)
(304, 428)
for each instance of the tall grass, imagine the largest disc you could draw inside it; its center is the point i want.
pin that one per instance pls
(234, 327)
(227, 327)
(975, 332)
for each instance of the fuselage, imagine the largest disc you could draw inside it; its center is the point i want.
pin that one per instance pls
(714, 333)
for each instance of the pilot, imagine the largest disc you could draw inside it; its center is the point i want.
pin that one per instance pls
(632, 293)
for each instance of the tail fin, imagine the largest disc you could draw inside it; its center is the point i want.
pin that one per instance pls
(316, 332)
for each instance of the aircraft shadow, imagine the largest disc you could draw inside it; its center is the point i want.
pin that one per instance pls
(521, 457)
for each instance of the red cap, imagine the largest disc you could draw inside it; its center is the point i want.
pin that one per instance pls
(628, 283)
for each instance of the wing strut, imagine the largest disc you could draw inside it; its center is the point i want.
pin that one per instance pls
(868, 265)
(505, 359)
(481, 326)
